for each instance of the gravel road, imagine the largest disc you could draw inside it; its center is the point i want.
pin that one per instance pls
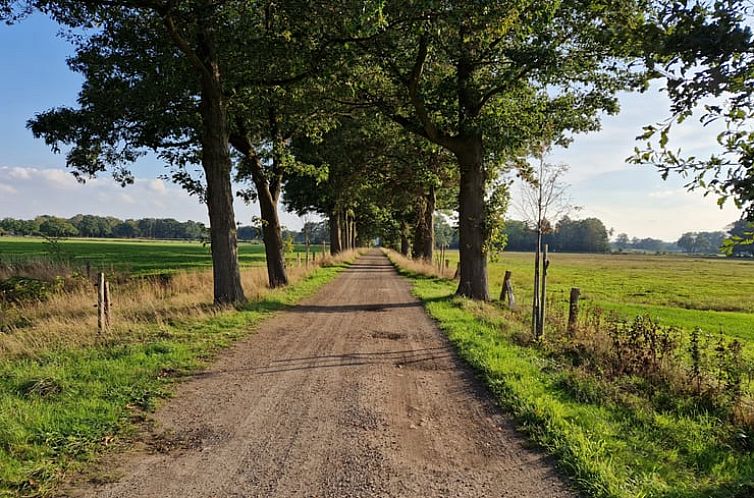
(352, 393)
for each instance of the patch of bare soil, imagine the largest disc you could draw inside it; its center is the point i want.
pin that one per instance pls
(353, 393)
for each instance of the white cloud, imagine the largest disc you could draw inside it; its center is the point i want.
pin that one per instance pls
(18, 173)
(7, 189)
(56, 192)
(158, 186)
(664, 194)
(54, 177)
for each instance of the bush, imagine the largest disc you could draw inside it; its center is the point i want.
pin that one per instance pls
(20, 289)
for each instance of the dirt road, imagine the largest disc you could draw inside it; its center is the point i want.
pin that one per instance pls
(353, 393)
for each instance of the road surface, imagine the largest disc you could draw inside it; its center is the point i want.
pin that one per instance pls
(353, 393)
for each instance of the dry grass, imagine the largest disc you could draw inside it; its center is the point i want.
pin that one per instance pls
(420, 267)
(140, 306)
(37, 268)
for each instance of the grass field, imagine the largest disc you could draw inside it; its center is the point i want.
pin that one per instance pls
(716, 294)
(616, 436)
(132, 256)
(67, 393)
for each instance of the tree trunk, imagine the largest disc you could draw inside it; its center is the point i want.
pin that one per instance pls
(335, 246)
(267, 186)
(424, 233)
(273, 238)
(342, 230)
(217, 168)
(471, 214)
(404, 244)
(535, 310)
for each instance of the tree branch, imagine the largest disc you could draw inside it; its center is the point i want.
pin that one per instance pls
(183, 45)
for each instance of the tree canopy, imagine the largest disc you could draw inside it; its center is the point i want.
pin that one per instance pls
(375, 114)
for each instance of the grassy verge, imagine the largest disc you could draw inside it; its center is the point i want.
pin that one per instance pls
(686, 292)
(61, 407)
(612, 439)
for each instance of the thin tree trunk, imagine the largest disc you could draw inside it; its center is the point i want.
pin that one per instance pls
(471, 211)
(535, 298)
(217, 168)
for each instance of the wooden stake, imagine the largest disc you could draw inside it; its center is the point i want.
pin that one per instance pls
(573, 311)
(108, 305)
(543, 297)
(101, 302)
(506, 291)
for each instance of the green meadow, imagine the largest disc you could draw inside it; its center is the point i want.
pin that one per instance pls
(132, 255)
(716, 294)
(615, 436)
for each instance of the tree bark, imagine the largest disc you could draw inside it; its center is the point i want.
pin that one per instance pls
(272, 237)
(424, 232)
(535, 313)
(335, 245)
(267, 187)
(217, 168)
(472, 211)
(342, 230)
(404, 244)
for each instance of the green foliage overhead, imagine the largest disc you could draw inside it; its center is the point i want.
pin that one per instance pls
(703, 51)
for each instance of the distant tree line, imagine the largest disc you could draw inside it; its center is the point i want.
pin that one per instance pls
(702, 242)
(85, 225)
(625, 243)
(736, 241)
(104, 227)
(568, 235)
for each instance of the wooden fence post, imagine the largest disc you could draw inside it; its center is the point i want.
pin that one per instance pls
(543, 295)
(101, 302)
(458, 271)
(108, 306)
(573, 310)
(506, 291)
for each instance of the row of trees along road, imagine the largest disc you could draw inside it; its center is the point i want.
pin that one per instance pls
(379, 110)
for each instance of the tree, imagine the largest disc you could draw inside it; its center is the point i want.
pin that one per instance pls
(543, 197)
(740, 241)
(485, 82)
(187, 78)
(143, 39)
(703, 50)
(51, 226)
(622, 241)
(445, 234)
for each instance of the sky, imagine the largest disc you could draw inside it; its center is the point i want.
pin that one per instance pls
(33, 180)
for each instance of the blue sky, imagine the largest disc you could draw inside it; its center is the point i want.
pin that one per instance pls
(33, 180)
